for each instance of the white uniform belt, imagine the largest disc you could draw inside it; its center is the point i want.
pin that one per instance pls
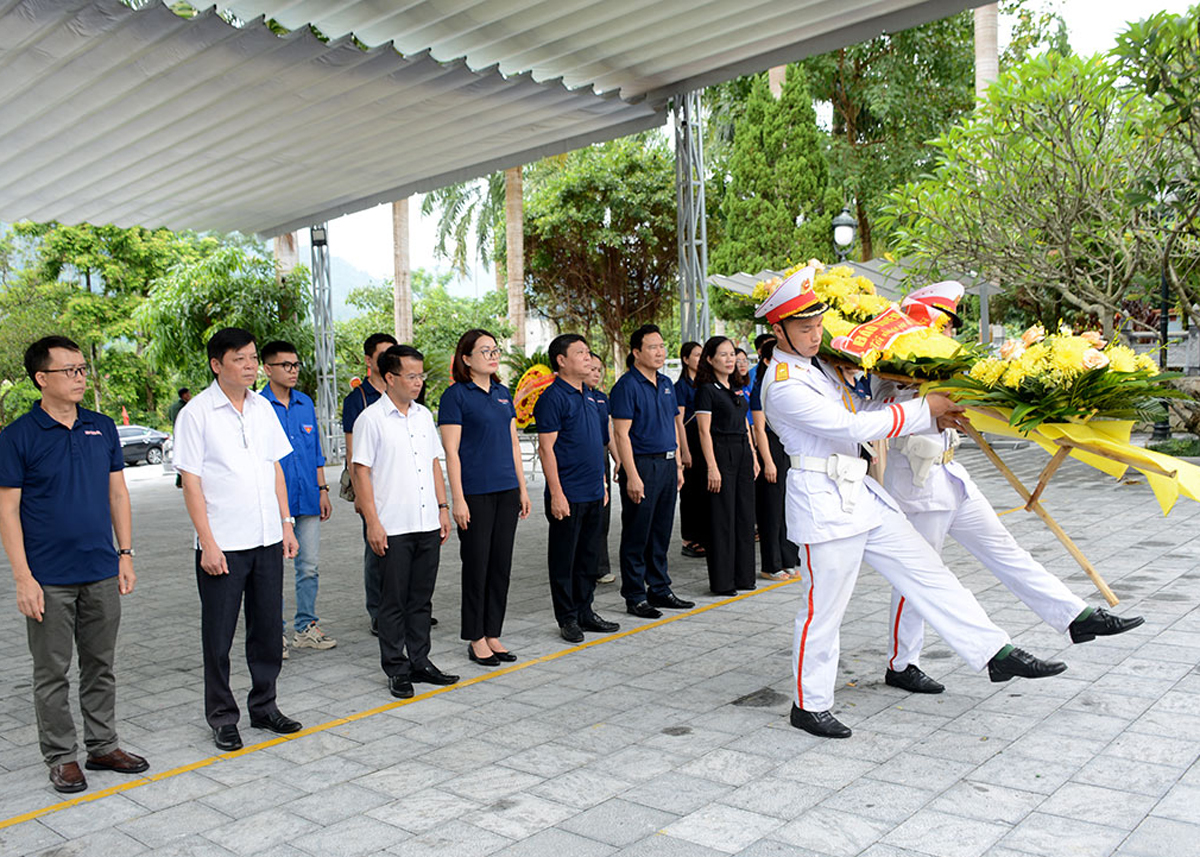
(846, 471)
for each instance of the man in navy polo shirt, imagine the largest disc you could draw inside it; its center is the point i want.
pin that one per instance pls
(62, 495)
(358, 400)
(308, 492)
(571, 444)
(648, 423)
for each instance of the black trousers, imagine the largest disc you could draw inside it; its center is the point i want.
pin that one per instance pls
(256, 578)
(571, 554)
(770, 501)
(693, 504)
(729, 546)
(407, 574)
(646, 529)
(603, 564)
(486, 548)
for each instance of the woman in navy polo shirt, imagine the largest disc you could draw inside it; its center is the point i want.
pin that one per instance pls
(722, 411)
(487, 488)
(693, 505)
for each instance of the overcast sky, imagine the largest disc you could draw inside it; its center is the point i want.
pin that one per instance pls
(365, 239)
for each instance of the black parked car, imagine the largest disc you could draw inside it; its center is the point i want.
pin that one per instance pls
(142, 444)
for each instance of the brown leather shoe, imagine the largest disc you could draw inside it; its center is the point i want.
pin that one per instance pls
(67, 778)
(118, 760)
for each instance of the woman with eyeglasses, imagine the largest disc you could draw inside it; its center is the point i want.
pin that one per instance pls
(487, 489)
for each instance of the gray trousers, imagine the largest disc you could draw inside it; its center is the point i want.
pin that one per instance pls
(84, 616)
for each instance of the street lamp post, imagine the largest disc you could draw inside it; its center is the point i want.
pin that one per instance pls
(844, 229)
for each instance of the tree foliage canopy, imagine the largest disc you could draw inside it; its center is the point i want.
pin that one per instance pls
(891, 95)
(1032, 191)
(600, 247)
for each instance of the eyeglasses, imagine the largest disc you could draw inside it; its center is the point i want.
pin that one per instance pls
(488, 353)
(70, 371)
(415, 376)
(287, 366)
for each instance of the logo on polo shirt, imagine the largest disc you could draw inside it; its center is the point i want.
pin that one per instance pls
(502, 401)
(93, 431)
(307, 429)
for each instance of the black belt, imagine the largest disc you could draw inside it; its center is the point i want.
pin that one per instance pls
(670, 454)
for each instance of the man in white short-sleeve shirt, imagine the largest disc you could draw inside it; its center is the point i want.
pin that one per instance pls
(399, 486)
(228, 443)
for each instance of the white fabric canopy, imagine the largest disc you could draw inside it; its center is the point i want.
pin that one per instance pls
(115, 115)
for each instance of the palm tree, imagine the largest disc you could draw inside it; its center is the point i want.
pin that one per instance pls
(514, 229)
(402, 283)
(987, 57)
(465, 207)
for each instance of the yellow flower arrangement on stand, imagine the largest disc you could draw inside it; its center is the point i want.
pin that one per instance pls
(1064, 376)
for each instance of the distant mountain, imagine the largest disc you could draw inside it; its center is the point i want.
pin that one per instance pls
(344, 277)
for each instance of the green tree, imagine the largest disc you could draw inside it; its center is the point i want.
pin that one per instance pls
(439, 319)
(600, 246)
(1157, 60)
(777, 201)
(1032, 192)
(889, 96)
(233, 287)
(28, 311)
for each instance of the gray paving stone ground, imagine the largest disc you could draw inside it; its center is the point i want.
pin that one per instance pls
(671, 741)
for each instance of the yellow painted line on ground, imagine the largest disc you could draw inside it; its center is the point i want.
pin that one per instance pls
(371, 712)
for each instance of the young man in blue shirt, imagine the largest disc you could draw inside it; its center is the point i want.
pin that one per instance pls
(571, 442)
(648, 423)
(308, 492)
(62, 495)
(357, 401)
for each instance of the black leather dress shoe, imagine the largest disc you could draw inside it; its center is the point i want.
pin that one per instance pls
(597, 625)
(432, 675)
(643, 610)
(1020, 663)
(1101, 624)
(227, 737)
(490, 661)
(400, 687)
(507, 657)
(819, 723)
(724, 593)
(277, 722)
(571, 632)
(670, 600)
(912, 679)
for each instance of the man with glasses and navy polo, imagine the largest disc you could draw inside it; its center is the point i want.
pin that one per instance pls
(62, 497)
(308, 492)
(648, 424)
(228, 445)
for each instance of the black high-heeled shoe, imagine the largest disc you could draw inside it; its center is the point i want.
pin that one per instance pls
(507, 657)
(490, 661)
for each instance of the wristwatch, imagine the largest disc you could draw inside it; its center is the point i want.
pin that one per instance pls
(443, 505)
(322, 487)
(290, 520)
(125, 552)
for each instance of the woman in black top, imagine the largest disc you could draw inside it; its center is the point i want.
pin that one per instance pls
(780, 558)
(693, 504)
(725, 438)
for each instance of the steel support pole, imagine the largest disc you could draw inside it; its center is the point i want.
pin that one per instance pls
(331, 435)
(690, 213)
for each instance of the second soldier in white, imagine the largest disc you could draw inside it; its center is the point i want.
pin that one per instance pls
(840, 517)
(939, 498)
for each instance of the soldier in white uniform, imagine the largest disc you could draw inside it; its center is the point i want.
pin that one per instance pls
(839, 516)
(939, 498)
